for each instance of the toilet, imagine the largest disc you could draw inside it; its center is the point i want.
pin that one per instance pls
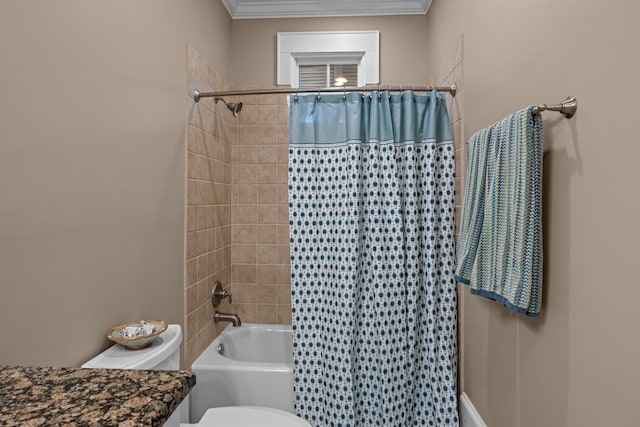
(164, 354)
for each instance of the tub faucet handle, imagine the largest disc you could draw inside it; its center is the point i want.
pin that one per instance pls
(225, 294)
(219, 294)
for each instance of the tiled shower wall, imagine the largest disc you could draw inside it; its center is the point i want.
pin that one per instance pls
(210, 132)
(260, 272)
(236, 209)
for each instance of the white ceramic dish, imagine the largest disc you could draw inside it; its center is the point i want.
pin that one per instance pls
(118, 334)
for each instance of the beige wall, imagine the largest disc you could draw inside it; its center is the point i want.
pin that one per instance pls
(92, 134)
(575, 365)
(403, 56)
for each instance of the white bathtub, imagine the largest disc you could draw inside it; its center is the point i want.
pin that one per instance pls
(255, 370)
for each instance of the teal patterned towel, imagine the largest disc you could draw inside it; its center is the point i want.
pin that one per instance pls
(499, 246)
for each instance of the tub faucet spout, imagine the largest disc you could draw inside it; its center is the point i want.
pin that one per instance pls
(227, 317)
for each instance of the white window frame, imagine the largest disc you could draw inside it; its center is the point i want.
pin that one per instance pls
(334, 47)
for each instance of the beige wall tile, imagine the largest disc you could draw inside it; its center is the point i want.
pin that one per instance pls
(267, 254)
(267, 313)
(268, 115)
(283, 194)
(192, 192)
(267, 194)
(283, 254)
(191, 325)
(248, 313)
(283, 174)
(284, 274)
(247, 273)
(201, 214)
(284, 314)
(247, 234)
(284, 295)
(247, 194)
(247, 254)
(283, 213)
(283, 154)
(245, 293)
(268, 214)
(244, 154)
(271, 99)
(268, 154)
(267, 274)
(215, 261)
(268, 135)
(267, 294)
(247, 135)
(282, 234)
(283, 135)
(215, 216)
(247, 214)
(283, 115)
(191, 272)
(192, 245)
(267, 174)
(203, 267)
(249, 115)
(267, 233)
(191, 220)
(245, 174)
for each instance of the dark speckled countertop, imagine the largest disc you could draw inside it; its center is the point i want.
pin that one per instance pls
(34, 396)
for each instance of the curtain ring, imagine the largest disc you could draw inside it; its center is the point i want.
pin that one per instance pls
(295, 98)
(318, 96)
(344, 94)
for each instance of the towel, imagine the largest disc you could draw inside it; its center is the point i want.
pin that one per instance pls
(499, 245)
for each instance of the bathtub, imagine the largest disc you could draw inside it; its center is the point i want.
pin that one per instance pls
(248, 365)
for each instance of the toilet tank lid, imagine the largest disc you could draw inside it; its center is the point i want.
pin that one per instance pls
(241, 416)
(118, 357)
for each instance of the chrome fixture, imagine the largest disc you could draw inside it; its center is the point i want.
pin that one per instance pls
(219, 294)
(227, 317)
(452, 88)
(567, 107)
(234, 107)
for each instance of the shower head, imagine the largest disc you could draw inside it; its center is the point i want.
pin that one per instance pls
(234, 107)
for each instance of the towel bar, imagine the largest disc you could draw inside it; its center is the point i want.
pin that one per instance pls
(567, 107)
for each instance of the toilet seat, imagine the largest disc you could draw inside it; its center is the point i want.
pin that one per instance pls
(249, 416)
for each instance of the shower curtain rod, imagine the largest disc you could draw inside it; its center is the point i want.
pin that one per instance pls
(197, 94)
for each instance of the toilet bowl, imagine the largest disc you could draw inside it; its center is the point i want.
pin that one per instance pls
(164, 354)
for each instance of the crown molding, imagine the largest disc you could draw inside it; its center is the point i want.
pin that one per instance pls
(259, 9)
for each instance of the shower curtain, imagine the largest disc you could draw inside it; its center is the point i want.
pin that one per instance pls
(371, 214)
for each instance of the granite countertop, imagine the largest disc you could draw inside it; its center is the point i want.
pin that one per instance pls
(42, 396)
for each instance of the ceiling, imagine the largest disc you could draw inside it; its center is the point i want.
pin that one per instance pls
(256, 9)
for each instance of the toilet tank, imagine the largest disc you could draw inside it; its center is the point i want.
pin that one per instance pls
(162, 354)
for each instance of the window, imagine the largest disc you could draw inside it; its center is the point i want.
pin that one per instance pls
(317, 59)
(327, 75)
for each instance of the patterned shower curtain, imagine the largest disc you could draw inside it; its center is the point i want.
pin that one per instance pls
(371, 210)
